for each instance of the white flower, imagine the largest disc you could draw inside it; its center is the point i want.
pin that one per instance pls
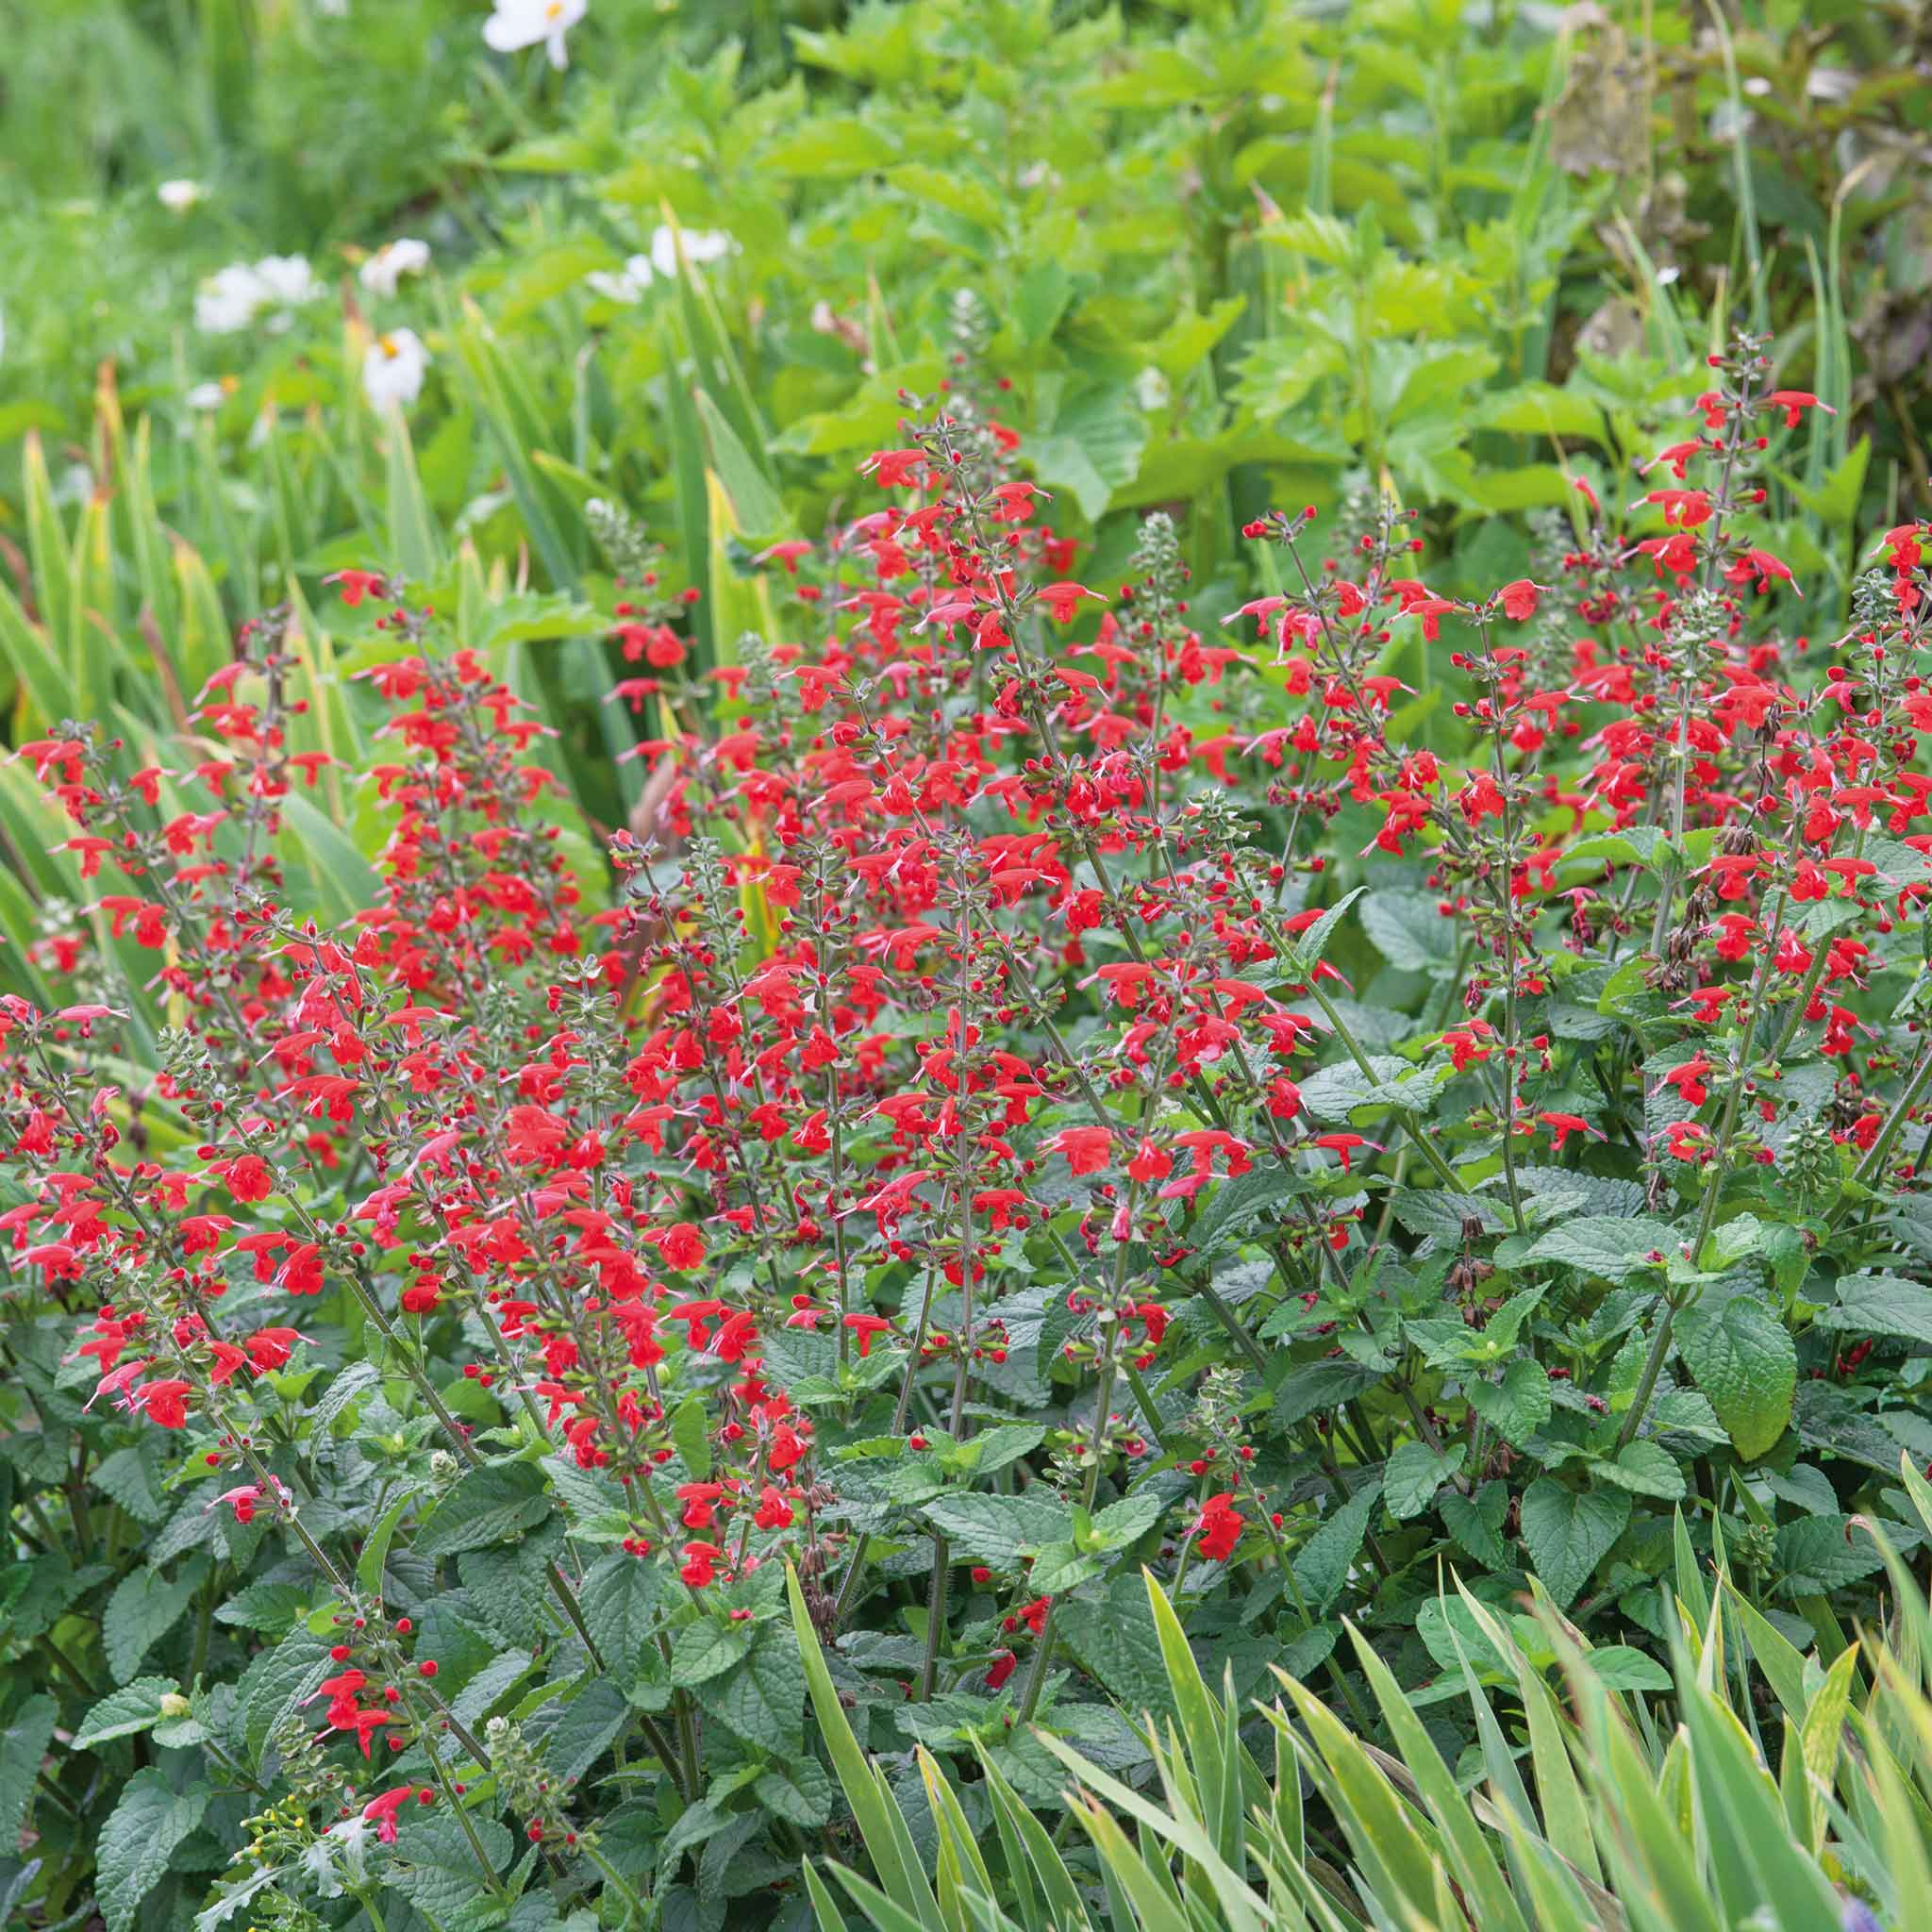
(700, 245)
(1151, 390)
(229, 300)
(392, 368)
(518, 24)
(627, 284)
(178, 196)
(380, 274)
(207, 395)
(288, 279)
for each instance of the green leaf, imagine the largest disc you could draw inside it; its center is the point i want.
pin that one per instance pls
(21, 1748)
(761, 513)
(763, 1697)
(707, 1649)
(1323, 1566)
(1123, 1523)
(584, 1727)
(1516, 1407)
(1408, 930)
(691, 1439)
(618, 1599)
(139, 1839)
(433, 1866)
(1881, 1305)
(144, 1608)
(1646, 1469)
(996, 1531)
(1569, 1532)
(488, 1505)
(279, 1679)
(1476, 1524)
(1623, 1666)
(375, 1549)
(1613, 1246)
(1414, 1474)
(797, 1791)
(1113, 1638)
(1743, 1357)
(1817, 1554)
(135, 1706)
(1092, 449)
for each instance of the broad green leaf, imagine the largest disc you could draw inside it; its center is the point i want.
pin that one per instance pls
(490, 1505)
(1569, 1532)
(1323, 1566)
(1413, 1474)
(1613, 1246)
(1743, 1357)
(135, 1706)
(146, 1829)
(145, 1607)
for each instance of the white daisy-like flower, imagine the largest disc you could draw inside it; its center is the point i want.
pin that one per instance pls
(700, 245)
(395, 259)
(392, 368)
(229, 300)
(207, 395)
(178, 196)
(519, 23)
(626, 285)
(288, 279)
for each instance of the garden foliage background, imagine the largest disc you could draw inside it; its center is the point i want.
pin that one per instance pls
(1609, 1449)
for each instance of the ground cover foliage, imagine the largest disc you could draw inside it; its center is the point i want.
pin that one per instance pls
(1008, 986)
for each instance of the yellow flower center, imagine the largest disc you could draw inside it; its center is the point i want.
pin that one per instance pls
(390, 348)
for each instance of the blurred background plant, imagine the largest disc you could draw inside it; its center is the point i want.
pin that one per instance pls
(1225, 252)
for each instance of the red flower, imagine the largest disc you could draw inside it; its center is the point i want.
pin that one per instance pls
(865, 1327)
(357, 585)
(1518, 600)
(164, 1402)
(1218, 1528)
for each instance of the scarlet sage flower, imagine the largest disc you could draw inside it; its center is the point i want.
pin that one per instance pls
(1218, 1528)
(866, 1328)
(1343, 1145)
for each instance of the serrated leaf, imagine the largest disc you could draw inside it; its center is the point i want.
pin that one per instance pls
(135, 1706)
(1413, 1475)
(1518, 1406)
(582, 1729)
(1743, 1358)
(144, 1608)
(1476, 1524)
(138, 1840)
(619, 1598)
(1819, 1554)
(1646, 1469)
(996, 1531)
(797, 1791)
(1612, 1245)
(707, 1649)
(691, 1437)
(488, 1505)
(1323, 1565)
(376, 1548)
(763, 1697)
(22, 1747)
(1409, 931)
(1569, 1532)
(1881, 1305)
(277, 1680)
(1114, 1639)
